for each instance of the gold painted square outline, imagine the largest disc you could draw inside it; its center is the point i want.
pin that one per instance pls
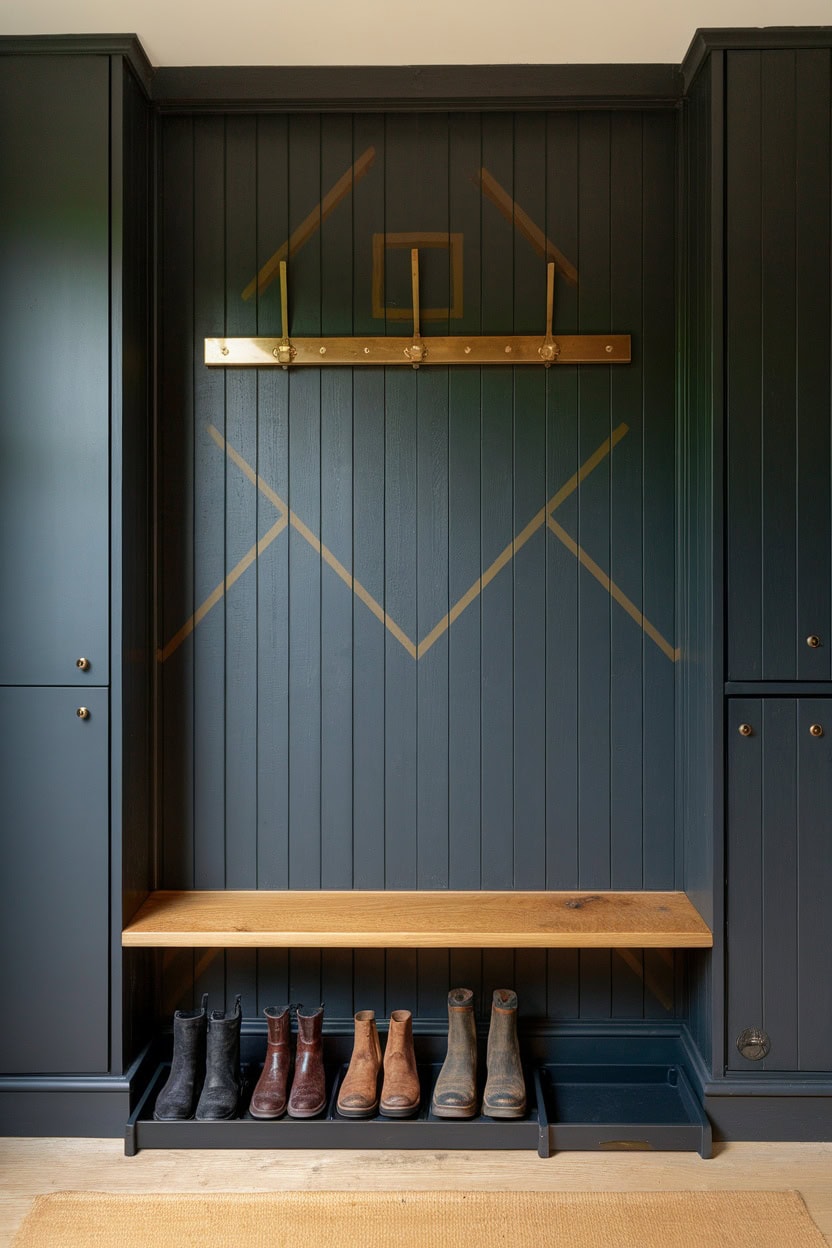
(417, 239)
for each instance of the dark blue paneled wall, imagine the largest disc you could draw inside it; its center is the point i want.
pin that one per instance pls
(416, 628)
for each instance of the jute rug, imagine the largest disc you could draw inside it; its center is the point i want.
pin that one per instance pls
(432, 1219)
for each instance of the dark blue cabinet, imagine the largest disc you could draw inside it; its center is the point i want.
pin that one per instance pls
(779, 872)
(777, 332)
(54, 875)
(55, 376)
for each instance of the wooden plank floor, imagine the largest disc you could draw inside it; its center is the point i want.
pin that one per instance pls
(31, 1166)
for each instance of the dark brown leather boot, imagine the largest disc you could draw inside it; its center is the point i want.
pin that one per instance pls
(505, 1089)
(358, 1094)
(308, 1096)
(400, 1092)
(269, 1097)
(455, 1093)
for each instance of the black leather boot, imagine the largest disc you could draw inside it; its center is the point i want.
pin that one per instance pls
(221, 1091)
(176, 1101)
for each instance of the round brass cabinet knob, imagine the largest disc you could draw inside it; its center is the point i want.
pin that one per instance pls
(745, 730)
(816, 730)
(83, 664)
(82, 712)
(754, 1044)
(813, 641)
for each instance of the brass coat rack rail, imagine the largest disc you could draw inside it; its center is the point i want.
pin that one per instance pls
(416, 351)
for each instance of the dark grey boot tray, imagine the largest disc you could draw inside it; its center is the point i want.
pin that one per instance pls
(570, 1107)
(626, 1107)
(330, 1130)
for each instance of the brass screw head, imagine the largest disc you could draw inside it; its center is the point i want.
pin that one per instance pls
(745, 730)
(816, 730)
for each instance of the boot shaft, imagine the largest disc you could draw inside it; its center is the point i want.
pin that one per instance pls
(222, 1055)
(278, 1022)
(399, 1035)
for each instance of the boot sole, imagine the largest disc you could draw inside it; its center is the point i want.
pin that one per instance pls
(504, 1113)
(451, 1111)
(266, 1117)
(398, 1112)
(357, 1113)
(156, 1118)
(308, 1113)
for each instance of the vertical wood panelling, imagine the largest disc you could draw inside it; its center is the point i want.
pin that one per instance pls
(358, 735)
(562, 570)
(813, 328)
(743, 339)
(778, 309)
(778, 873)
(594, 653)
(810, 992)
(699, 384)
(176, 500)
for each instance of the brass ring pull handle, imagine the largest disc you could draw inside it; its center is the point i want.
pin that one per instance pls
(83, 664)
(816, 730)
(82, 712)
(745, 730)
(813, 641)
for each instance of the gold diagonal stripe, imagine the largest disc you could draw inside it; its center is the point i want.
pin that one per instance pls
(317, 545)
(217, 594)
(612, 589)
(524, 225)
(247, 470)
(311, 224)
(511, 550)
(587, 467)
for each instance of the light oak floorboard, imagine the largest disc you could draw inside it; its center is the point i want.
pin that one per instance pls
(31, 1166)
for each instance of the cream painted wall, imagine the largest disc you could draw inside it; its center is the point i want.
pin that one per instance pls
(395, 32)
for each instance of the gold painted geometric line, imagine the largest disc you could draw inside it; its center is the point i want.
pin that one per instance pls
(524, 225)
(317, 545)
(520, 540)
(308, 227)
(216, 594)
(544, 516)
(613, 590)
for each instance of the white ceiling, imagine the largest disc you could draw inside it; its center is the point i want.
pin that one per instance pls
(405, 32)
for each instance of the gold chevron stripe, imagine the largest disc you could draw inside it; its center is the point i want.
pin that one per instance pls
(317, 545)
(311, 224)
(518, 542)
(544, 516)
(612, 589)
(218, 593)
(522, 222)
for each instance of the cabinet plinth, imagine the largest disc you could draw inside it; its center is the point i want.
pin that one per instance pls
(342, 919)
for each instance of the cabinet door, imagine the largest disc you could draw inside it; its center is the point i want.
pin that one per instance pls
(779, 871)
(777, 243)
(54, 378)
(54, 882)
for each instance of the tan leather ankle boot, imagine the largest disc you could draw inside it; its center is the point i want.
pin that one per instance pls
(400, 1093)
(455, 1093)
(505, 1088)
(358, 1094)
(269, 1097)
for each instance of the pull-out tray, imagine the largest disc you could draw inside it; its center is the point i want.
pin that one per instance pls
(570, 1107)
(621, 1107)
